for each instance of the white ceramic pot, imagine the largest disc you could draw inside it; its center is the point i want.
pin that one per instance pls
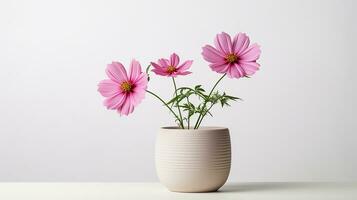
(193, 160)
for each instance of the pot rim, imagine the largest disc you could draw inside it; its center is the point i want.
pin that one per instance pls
(202, 128)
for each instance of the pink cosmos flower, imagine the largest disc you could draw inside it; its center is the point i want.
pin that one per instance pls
(123, 91)
(171, 68)
(236, 58)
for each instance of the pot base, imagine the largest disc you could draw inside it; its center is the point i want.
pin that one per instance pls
(194, 191)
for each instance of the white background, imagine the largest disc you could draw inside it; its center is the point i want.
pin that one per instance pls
(297, 121)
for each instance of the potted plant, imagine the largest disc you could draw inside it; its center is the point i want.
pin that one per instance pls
(189, 157)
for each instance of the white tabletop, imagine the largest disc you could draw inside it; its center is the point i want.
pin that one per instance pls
(147, 191)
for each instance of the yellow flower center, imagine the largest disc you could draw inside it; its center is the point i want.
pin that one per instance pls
(170, 69)
(231, 58)
(126, 86)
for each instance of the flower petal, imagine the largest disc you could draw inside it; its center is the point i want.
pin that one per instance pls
(175, 74)
(116, 72)
(156, 66)
(219, 67)
(252, 53)
(240, 43)
(141, 81)
(174, 60)
(159, 72)
(127, 107)
(230, 74)
(183, 73)
(235, 71)
(114, 102)
(240, 70)
(250, 67)
(164, 62)
(135, 70)
(137, 96)
(108, 88)
(223, 42)
(212, 55)
(185, 66)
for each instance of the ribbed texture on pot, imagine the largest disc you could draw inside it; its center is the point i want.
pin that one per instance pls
(193, 160)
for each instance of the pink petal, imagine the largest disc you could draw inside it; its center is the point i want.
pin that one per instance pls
(137, 96)
(252, 53)
(235, 71)
(164, 62)
(250, 67)
(240, 70)
(220, 67)
(230, 74)
(185, 66)
(116, 72)
(114, 102)
(175, 74)
(141, 81)
(183, 73)
(212, 55)
(223, 42)
(159, 72)
(240, 43)
(174, 60)
(135, 70)
(156, 66)
(127, 107)
(108, 88)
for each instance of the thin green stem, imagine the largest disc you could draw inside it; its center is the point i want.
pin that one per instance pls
(201, 116)
(178, 107)
(155, 95)
(205, 113)
(188, 113)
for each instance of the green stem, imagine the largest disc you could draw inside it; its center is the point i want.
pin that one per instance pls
(155, 95)
(205, 113)
(201, 116)
(178, 107)
(188, 114)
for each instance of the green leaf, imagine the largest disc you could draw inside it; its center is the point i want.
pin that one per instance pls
(232, 97)
(199, 88)
(174, 99)
(147, 69)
